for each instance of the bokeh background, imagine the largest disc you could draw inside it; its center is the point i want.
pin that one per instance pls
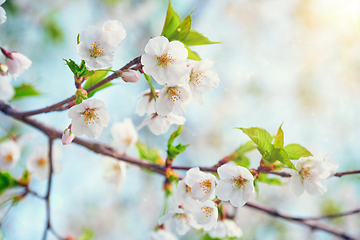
(295, 62)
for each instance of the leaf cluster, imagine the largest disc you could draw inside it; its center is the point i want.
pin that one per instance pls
(173, 151)
(79, 71)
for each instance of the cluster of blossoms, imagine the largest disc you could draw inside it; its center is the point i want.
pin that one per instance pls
(184, 82)
(193, 200)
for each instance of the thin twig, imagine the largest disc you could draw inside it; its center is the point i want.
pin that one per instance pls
(332, 215)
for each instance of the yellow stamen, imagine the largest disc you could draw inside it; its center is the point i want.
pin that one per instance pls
(164, 59)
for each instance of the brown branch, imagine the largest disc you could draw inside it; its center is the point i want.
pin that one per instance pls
(333, 215)
(308, 222)
(60, 105)
(105, 150)
(284, 174)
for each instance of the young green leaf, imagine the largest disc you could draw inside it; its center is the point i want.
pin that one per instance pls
(172, 22)
(95, 78)
(87, 234)
(296, 151)
(282, 156)
(241, 160)
(195, 38)
(247, 147)
(193, 55)
(146, 153)
(25, 90)
(264, 178)
(259, 133)
(172, 150)
(279, 138)
(7, 181)
(182, 30)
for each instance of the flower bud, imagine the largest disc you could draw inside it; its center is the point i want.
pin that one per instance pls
(16, 62)
(67, 137)
(3, 69)
(25, 179)
(130, 76)
(81, 94)
(168, 188)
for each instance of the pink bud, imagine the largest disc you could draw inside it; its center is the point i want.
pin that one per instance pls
(3, 69)
(130, 76)
(67, 137)
(16, 62)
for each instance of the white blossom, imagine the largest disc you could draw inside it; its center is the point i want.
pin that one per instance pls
(310, 175)
(16, 62)
(9, 154)
(146, 103)
(202, 184)
(165, 61)
(161, 234)
(89, 118)
(183, 196)
(172, 99)
(202, 79)
(6, 90)
(179, 220)
(3, 69)
(206, 215)
(159, 124)
(125, 136)
(38, 162)
(95, 48)
(2, 13)
(115, 31)
(130, 76)
(115, 171)
(226, 228)
(236, 184)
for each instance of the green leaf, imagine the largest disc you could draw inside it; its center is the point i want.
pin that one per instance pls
(182, 30)
(7, 181)
(241, 160)
(87, 234)
(282, 156)
(264, 178)
(172, 22)
(296, 151)
(257, 133)
(247, 147)
(192, 54)
(25, 90)
(95, 78)
(195, 38)
(149, 80)
(172, 150)
(146, 153)
(72, 65)
(78, 39)
(279, 138)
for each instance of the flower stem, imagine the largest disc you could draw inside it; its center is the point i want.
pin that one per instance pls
(148, 79)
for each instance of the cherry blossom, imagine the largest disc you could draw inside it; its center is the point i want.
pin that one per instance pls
(180, 220)
(146, 103)
(130, 76)
(3, 69)
(206, 215)
(89, 118)
(161, 234)
(9, 154)
(172, 99)
(202, 79)
(6, 90)
(38, 162)
(95, 48)
(125, 136)
(161, 124)
(16, 62)
(310, 175)
(2, 13)
(202, 184)
(165, 61)
(236, 184)
(67, 137)
(226, 228)
(183, 196)
(115, 31)
(115, 171)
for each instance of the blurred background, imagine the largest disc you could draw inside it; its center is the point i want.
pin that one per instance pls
(295, 62)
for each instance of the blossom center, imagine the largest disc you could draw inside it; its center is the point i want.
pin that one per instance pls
(128, 140)
(173, 94)
(8, 157)
(182, 217)
(198, 79)
(90, 116)
(164, 59)
(188, 189)
(116, 167)
(307, 174)
(238, 182)
(96, 50)
(41, 162)
(205, 185)
(207, 211)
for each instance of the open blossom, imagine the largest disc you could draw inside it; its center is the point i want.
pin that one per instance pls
(130, 76)
(159, 124)
(16, 62)
(202, 79)
(202, 184)
(89, 118)
(125, 136)
(6, 90)
(115, 171)
(161, 234)
(146, 103)
(236, 184)
(95, 48)
(9, 154)
(206, 215)
(115, 31)
(310, 175)
(38, 162)
(2, 13)
(226, 228)
(172, 99)
(165, 61)
(180, 220)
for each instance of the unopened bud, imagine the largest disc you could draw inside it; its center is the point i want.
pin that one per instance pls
(168, 188)
(25, 179)
(3, 69)
(6, 53)
(81, 94)
(67, 137)
(171, 173)
(130, 76)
